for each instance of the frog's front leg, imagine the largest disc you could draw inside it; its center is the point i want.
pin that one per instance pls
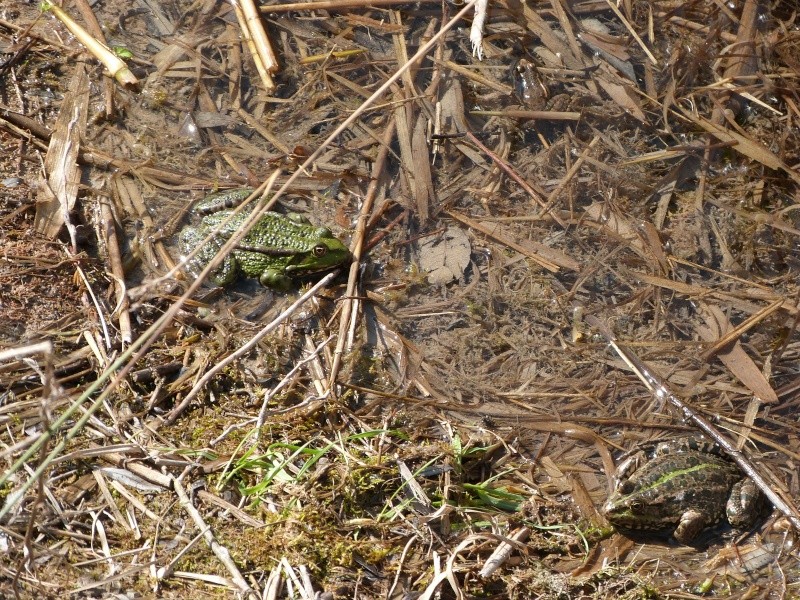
(690, 525)
(225, 273)
(275, 279)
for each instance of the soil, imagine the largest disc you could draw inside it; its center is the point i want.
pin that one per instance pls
(584, 240)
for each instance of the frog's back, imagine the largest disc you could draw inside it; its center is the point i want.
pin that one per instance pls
(687, 479)
(279, 231)
(658, 494)
(190, 238)
(275, 241)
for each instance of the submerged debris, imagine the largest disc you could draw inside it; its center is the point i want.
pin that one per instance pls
(585, 241)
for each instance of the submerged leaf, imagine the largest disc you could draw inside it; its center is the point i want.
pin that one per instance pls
(444, 258)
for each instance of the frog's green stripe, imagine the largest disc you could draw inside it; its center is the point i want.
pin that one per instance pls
(673, 474)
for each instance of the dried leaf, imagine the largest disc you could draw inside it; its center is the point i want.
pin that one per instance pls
(445, 257)
(750, 148)
(735, 358)
(617, 225)
(619, 94)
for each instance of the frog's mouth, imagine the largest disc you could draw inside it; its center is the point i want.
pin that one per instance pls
(300, 270)
(627, 519)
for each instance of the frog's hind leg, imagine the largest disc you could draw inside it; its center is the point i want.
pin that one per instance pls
(745, 503)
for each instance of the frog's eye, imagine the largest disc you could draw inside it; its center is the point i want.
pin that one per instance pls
(637, 506)
(320, 250)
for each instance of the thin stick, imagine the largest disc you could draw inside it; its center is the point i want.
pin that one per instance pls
(551, 199)
(537, 196)
(630, 28)
(335, 5)
(744, 326)
(218, 549)
(350, 308)
(109, 235)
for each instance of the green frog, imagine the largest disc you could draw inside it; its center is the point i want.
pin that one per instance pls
(685, 484)
(278, 249)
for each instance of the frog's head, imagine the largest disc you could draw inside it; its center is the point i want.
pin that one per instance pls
(325, 253)
(645, 505)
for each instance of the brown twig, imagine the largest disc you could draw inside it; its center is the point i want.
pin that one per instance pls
(348, 318)
(537, 195)
(334, 5)
(109, 236)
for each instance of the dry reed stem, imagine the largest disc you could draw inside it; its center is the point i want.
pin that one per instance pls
(335, 5)
(94, 28)
(741, 329)
(221, 552)
(350, 307)
(503, 551)
(256, 40)
(115, 65)
(102, 358)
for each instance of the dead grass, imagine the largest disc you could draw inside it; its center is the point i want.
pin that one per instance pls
(402, 432)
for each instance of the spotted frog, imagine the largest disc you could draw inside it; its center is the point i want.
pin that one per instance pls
(278, 249)
(682, 485)
(530, 86)
(533, 91)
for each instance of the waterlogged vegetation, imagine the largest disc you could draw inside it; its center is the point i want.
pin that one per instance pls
(511, 286)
